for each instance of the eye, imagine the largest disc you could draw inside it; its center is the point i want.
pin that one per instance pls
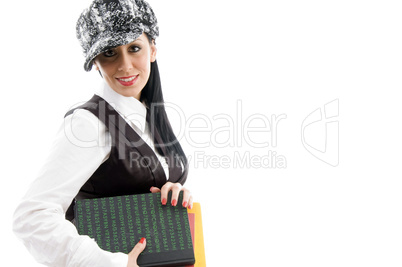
(109, 53)
(135, 48)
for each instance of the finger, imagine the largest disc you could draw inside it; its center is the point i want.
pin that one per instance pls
(138, 248)
(175, 188)
(186, 197)
(164, 192)
(136, 251)
(154, 189)
(190, 203)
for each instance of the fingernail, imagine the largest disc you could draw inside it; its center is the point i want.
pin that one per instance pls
(185, 204)
(174, 202)
(142, 240)
(190, 207)
(164, 201)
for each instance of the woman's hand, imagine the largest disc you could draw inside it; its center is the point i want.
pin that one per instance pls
(133, 255)
(175, 188)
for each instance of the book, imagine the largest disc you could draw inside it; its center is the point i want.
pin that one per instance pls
(195, 220)
(118, 223)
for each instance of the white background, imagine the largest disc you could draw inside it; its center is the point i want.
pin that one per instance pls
(273, 57)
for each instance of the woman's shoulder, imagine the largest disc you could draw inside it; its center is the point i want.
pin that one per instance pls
(83, 127)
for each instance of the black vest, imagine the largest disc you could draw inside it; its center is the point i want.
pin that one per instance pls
(132, 167)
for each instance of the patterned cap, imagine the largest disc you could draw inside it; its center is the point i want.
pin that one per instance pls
(111, 23)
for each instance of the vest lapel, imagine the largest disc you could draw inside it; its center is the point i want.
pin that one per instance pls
(127, 136)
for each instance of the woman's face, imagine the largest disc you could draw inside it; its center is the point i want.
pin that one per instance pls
(126, 68)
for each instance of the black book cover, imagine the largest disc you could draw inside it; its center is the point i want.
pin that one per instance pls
(118, 223)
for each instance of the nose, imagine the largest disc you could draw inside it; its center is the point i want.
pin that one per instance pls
(125, 63)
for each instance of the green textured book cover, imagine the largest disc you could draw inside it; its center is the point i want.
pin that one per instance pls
(118, 223)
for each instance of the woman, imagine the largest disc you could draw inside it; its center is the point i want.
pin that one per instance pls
(119, 142)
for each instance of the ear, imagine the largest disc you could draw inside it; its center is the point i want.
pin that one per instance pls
(153, 51)
(96, 66)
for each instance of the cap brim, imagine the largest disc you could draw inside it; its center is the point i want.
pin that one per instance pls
(107, 41)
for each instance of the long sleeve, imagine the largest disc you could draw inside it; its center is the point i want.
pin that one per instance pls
(81, 145)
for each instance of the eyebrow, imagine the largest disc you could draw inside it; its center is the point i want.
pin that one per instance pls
(138, 39)
(108, 48)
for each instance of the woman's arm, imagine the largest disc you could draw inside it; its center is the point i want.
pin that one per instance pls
(39, 220)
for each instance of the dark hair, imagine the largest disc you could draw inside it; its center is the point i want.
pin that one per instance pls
(165, 140)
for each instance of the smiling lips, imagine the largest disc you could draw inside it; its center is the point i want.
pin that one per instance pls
(127, 81)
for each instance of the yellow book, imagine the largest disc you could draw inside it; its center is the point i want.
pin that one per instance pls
(194, 216)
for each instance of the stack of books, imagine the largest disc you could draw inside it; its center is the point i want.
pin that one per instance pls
(174, 234)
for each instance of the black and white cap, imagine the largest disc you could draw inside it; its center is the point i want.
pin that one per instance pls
(111, 23)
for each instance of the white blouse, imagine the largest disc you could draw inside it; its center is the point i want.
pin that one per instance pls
(82, 144)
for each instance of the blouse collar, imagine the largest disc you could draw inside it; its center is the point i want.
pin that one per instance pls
(131, 109)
